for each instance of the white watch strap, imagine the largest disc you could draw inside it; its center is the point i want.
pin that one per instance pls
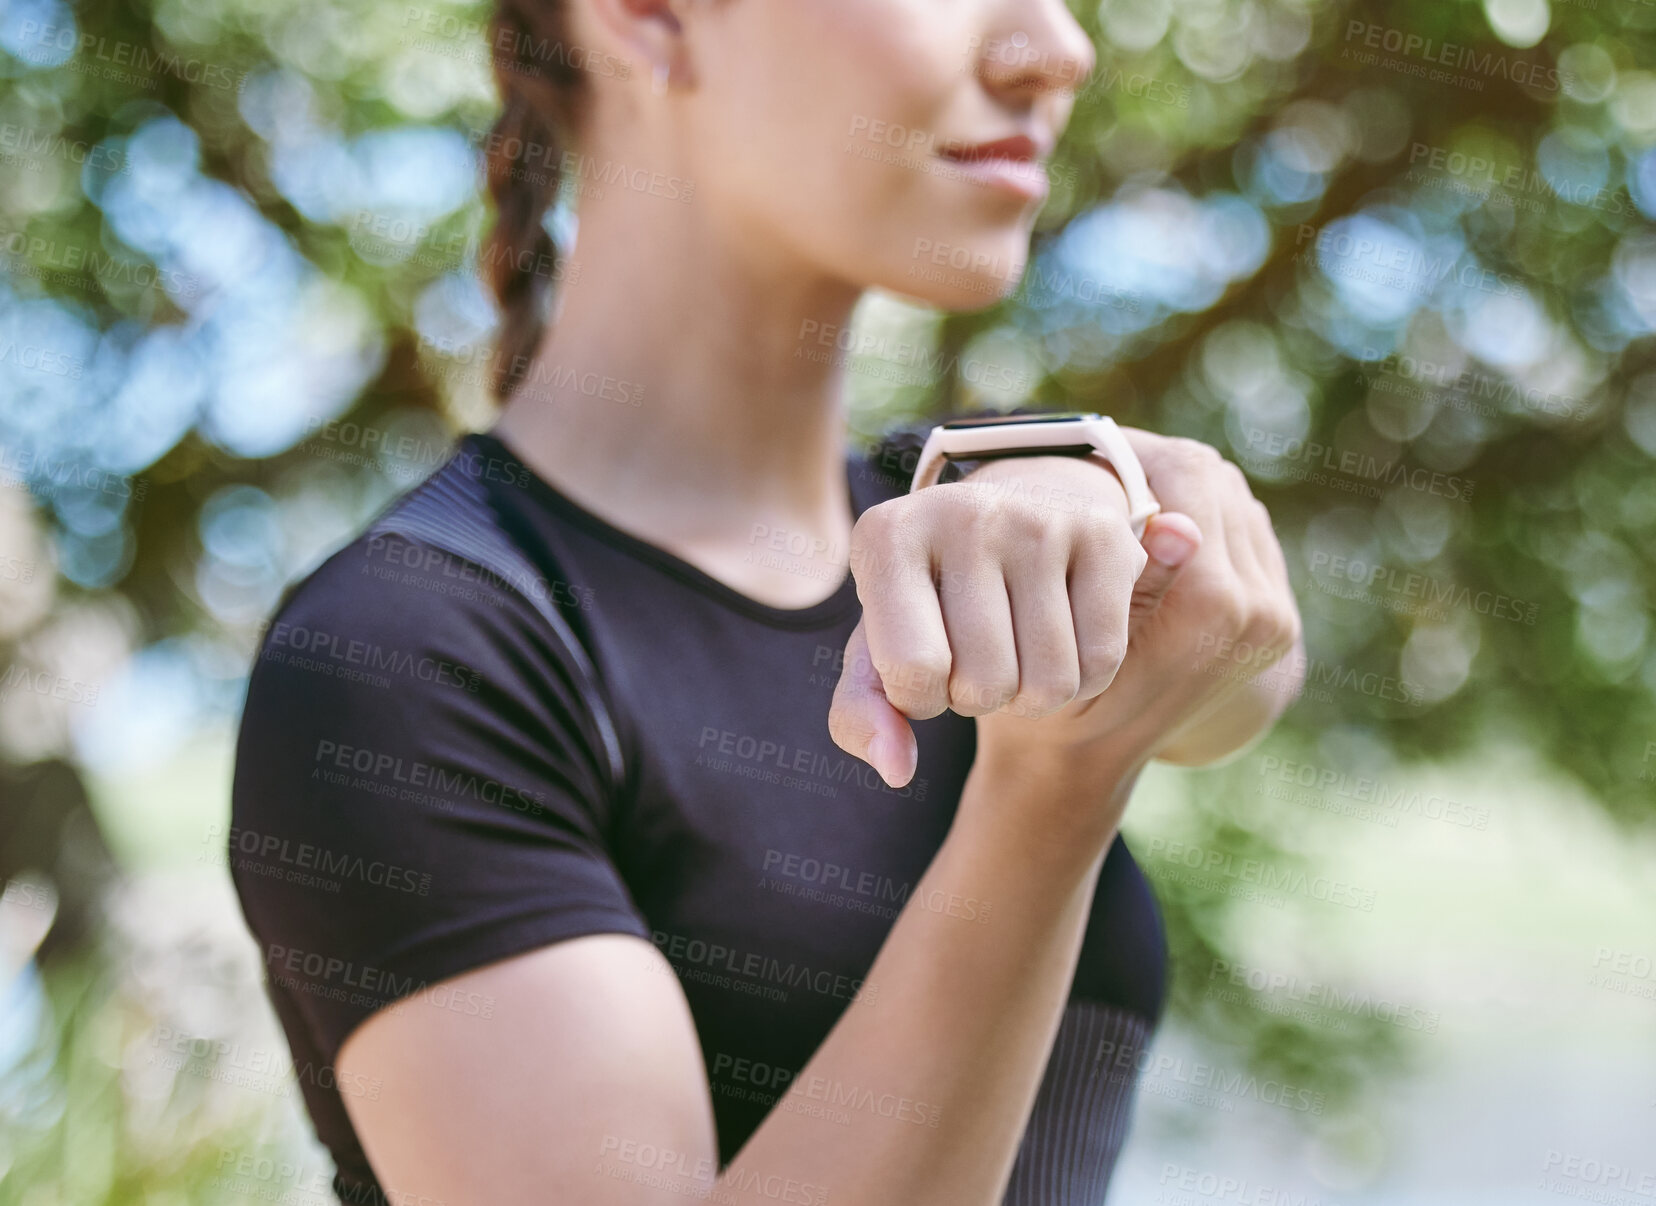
(1033, 439)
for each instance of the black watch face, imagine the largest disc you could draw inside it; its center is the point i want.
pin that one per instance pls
(1067, 416)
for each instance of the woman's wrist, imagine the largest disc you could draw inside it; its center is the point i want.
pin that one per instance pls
(1057, 809)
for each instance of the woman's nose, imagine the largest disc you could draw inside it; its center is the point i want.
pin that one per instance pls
(1036, 46)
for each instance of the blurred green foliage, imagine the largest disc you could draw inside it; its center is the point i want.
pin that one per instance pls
(1395, 259)
(82, 1131)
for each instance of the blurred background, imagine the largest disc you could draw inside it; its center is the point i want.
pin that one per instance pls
(1398, 260)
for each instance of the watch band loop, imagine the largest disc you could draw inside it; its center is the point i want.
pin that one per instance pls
(1080, 434)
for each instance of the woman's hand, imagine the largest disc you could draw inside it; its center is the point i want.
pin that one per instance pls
(1009, 591)
(1016, 596)
(1199, 681)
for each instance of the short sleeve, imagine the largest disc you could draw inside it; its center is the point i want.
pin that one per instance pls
(417, 790)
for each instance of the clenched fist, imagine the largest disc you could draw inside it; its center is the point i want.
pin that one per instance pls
(1019, 596)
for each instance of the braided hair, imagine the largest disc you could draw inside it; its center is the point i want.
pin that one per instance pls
(542, 93)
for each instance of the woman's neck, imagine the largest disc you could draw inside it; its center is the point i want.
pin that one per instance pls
(689, 388)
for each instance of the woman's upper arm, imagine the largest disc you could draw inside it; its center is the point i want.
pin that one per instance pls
(586, 1077)
(423, 844)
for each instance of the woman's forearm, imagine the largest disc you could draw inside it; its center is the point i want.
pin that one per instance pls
(938, 1060)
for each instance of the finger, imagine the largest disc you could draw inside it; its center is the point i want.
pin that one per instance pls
(1278, 591)
(1102, 571)
(1251, 539)
(1241, 524)
(1185, 476)
(1269, 548)
(862, 721)
(1043, 633)
(902, 620)
(983, 652)
(1171, 539)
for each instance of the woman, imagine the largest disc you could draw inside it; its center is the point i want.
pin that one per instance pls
(554, 808)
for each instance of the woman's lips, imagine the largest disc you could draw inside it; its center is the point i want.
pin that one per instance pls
(1014, 164)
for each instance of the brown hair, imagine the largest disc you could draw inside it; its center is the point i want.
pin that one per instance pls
(541, 94)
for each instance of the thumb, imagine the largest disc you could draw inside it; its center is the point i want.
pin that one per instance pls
(863, 722)
(1172, 540)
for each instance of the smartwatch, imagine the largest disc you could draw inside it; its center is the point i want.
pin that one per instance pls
(1070, 433)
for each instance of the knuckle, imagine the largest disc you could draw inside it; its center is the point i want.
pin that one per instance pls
(1194, 453)
(846, 730)
(975, 696)
(1051, 690)
(1272, 625)
(1036, 540)
(1229, 608)
(917, 680)
(1021, 528)
(1258, 629)
(873, 537)
(1111, 535)
(1289, 629)
(984, 506)
(875, 523)
(1103, 655)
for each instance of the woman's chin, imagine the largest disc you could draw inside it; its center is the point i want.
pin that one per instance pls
(960, 289)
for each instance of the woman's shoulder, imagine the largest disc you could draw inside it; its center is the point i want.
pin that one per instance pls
(434, 574)
(431, 622)
(385, 601)
(426, 620)
(420, 785)
(411, 661)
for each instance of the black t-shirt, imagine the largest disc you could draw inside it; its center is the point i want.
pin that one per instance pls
(434, 773)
